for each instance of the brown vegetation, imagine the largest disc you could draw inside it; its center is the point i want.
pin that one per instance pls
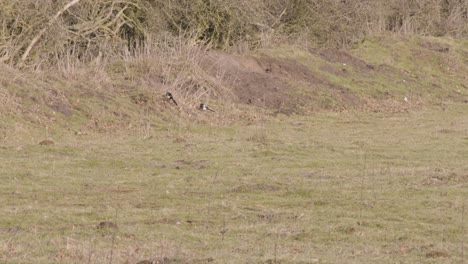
(71, 32)
(106, 64)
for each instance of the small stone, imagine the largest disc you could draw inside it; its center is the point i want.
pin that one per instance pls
(46, 142)
(107, 225)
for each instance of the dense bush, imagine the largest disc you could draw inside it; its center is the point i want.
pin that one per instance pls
(48, 32)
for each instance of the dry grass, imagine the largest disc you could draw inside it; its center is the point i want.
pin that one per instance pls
(54, 34)
(329, 188)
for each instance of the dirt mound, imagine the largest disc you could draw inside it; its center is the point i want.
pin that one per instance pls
(381, 75)
(286, 86)
(385, 74)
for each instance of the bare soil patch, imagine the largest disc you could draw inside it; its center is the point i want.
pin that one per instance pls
(280, 84)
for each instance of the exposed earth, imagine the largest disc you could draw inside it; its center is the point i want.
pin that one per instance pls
(379, 74)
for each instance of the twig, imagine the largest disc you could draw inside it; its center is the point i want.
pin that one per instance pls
(113, 236)
(91, 251)
(463, 233)
(364, 175)
(276, 248)
(279, 18)
(223, 230)
(43, 30)
(208, 213)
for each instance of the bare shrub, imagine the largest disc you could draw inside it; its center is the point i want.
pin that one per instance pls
(44, 33)
(72, 33)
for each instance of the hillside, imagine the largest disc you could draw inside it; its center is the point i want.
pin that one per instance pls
(377, 74)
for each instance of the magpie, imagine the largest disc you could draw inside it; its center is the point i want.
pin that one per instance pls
(169, 97)
(204, 107)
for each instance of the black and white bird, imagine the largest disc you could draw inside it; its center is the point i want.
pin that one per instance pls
(204, 107)
(169, 97)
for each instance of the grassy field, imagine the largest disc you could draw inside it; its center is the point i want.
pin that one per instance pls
(326, 188)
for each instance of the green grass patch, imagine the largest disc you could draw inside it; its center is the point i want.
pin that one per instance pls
(326, 188)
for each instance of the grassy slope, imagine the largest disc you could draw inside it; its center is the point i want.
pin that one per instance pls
(433, 66)
(426, 70)
(349, 187)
